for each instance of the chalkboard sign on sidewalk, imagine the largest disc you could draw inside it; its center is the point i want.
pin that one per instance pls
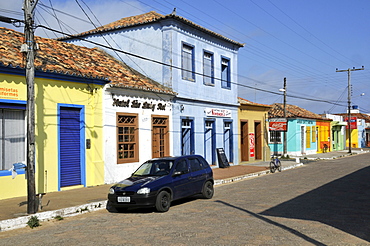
(222, 160)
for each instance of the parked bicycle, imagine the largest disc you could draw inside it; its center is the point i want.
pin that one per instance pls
(275, 164)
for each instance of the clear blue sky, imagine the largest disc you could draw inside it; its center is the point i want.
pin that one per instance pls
(304, 41)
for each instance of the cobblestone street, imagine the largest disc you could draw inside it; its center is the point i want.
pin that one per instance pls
(322, 203)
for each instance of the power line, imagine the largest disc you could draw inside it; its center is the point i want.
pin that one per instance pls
(103, 35)
(67, 27)
(288, 65)
(257, 50)
(236, 75)
(55, 15)
(176, 67)
(328, 46)
(67, 14)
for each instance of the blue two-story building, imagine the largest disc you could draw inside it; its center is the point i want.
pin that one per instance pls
(196, 63)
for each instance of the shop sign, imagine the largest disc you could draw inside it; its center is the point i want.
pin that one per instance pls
(136, 104)
(307, 122)
(9, 93)
(251, 144)
(278, 124)
(215, 112)
(353, 122)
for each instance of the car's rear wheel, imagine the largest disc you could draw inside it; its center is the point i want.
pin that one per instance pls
(163, 201)
(208, 190)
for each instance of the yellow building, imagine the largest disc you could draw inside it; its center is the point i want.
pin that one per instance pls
(68, 117)
(253, 142)
(69, 130)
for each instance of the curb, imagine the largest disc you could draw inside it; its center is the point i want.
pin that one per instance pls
(21, 222)
(250, 175)
(337, 156)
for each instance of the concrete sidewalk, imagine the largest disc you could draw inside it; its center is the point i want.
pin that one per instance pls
(13, 212)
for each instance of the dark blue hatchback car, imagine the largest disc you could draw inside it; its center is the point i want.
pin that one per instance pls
(158, 182)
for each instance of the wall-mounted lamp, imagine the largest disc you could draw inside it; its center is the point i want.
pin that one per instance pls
(182, 108)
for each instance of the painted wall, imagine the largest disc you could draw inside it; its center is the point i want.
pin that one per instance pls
(174, 37)
(338, 136)
(324, 136)
(300, 138)
(183, 109)
(354, 138)
(18, 94)
(361, 137)
(302, 141)
(49, 94)
(196, 96)
(337, 126)
(144, 41)
(163, 42)
(115, 172)
(253, 114)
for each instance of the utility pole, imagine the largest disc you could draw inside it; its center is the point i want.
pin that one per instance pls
(286, 121)
(284, 134)
(349, 103)
(29, 47)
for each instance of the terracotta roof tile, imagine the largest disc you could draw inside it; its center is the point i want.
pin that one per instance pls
(68, 59)
(146, 18)
(292, 111)
(127, 22)
(247, 102)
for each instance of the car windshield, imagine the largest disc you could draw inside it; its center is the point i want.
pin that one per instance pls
(154, 168)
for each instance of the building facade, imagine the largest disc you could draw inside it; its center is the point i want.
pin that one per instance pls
(196, 63)
(360, 130)
(338, 132)
(93, 113)
(323, 135)
(253, 131)
(302, 131)
(68, 119)
(137, 126)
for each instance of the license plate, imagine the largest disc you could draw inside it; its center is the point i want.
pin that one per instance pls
(123, 199)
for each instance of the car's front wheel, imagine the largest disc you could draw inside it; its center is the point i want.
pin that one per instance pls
(208, 190)
(163, 201)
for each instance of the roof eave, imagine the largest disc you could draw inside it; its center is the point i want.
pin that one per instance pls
(176, 17)
(142, 88)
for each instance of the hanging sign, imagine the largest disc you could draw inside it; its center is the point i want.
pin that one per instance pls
(278, 124)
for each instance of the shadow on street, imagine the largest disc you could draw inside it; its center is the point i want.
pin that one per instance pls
(343, 204)
(286, 228)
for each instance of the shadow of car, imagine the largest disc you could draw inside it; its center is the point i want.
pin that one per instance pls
(158, 182)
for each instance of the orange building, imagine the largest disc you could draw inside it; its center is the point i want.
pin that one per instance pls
(323, 135)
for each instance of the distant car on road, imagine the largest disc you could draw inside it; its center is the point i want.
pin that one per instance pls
(158, 182)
